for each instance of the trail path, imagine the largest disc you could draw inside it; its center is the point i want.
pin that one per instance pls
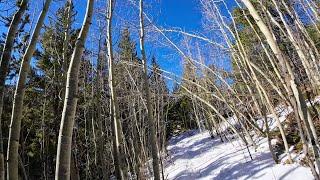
(195, 155)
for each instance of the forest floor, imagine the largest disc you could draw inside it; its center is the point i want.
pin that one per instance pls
(195, 155)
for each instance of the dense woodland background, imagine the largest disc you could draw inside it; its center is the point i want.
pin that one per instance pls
(104, 111)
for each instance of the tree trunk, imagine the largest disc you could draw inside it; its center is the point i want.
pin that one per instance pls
(312, 75)
(66, 40)
(15, 125)
(4, 68)
(113, 100)
(70, 102)
(265, 118)
(284, 62)
(102, 163)
(153, 137)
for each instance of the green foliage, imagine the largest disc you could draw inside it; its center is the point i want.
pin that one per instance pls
(157, 82)
(250, 35)
(180, 116)
(127, 48)
(127, 61)
(43, 97)
(314, 35)
(50, 58)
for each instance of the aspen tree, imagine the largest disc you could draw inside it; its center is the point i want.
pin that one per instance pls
(67, 27)
(286, 68)
(116, 130)
(15, 124)
(244, 59)
(63, 160)
(153, 137)
(98, 98)
(4, 68)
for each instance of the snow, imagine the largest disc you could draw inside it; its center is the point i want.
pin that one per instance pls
(194, 155)
(282, 112)
(316, 100)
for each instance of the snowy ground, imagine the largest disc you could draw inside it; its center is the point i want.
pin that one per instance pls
(195, 155)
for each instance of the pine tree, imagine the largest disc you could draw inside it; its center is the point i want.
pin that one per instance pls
(50, 64)
(50, 59)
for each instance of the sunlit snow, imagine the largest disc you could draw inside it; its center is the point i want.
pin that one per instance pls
(194, 155)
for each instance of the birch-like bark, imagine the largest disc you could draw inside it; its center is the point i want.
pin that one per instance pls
(287, 70)
(70, 102)
(240, 49)
(312, 75)
(15, 124)
(66, 40)
(153, 137)
(245, 59)
(192, 94)
(4, 68)
(291, 100)
(265, 118)
(115, 118)
(313, 54)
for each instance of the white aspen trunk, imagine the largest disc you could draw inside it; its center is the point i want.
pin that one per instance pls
(312, 76)
(313, 9)
(239, 46)
(207, 103)
(4, 68)
(269, 57)
(153, 136)
(15, 124)
(113, 101)
(265, 118)
(102, 163)
(293, 103)
(245, 58)
(302, 28)
(196, 115)
(70, 102)
(287, 70)
(217, 112)
(192, 94)
(67, 28)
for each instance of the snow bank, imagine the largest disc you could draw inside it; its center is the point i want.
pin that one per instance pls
(195, 155)
(282, 112)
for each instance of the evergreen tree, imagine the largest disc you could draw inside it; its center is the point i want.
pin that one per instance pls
(46, 84)
(127, 48)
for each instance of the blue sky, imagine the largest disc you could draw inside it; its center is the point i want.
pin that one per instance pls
(181, 13)
(184, 14)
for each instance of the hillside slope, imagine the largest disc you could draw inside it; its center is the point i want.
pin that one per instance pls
(194, 155)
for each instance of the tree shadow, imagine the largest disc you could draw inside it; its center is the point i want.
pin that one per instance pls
(193, 150)
(287, 173)
(242, 170)
(221, 165)
(176, 139)
(236, 171)
(229, 171)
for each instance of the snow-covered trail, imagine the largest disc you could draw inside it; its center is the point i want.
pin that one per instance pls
(195, 155)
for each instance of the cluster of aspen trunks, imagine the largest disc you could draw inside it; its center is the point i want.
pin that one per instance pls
(273, 49)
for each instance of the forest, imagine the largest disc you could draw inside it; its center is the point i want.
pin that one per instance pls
(159, 89)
